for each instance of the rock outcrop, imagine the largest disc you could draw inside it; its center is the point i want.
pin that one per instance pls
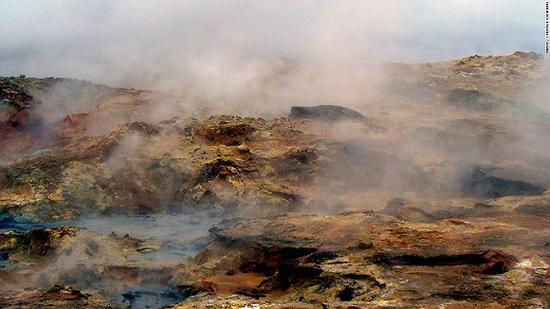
(326, 112)
(365, 259)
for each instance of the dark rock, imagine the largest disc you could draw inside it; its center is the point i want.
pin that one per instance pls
(40, 242)
(346, 294)
(490, 262)
(326, 112)
(481, 183)
(321, 256)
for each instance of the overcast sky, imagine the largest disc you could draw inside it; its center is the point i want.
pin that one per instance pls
(123, 42)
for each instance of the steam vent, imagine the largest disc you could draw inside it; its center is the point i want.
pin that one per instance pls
(179, 174)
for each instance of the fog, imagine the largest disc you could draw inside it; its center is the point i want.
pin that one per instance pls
(253, 57)
(224, 44)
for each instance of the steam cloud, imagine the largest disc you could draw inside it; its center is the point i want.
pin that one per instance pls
(221, 46)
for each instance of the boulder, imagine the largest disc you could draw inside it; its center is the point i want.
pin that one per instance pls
(482, 183)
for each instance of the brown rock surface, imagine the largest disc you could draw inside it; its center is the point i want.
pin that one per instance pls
(366, 259)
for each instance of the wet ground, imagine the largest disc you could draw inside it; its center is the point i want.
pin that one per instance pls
(153, 242)
(178, 235)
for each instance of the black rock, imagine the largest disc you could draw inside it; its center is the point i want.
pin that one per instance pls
(482, 183)
(326, 112)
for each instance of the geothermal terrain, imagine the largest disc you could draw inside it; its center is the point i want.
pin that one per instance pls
(434, 194)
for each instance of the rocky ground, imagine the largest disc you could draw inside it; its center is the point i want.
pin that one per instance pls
(433, 196)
